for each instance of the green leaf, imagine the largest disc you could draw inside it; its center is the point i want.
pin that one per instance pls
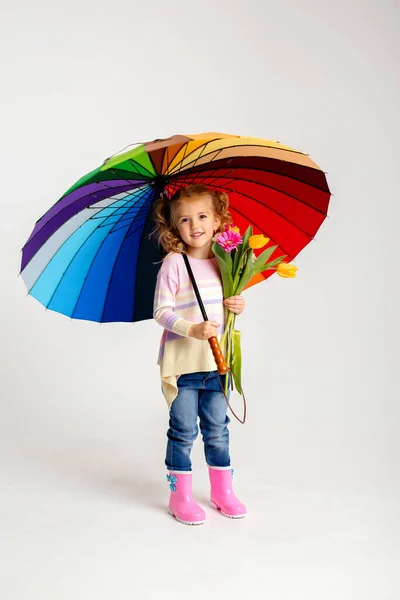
(226, 256)
(273, 263)
(242, 248)
(236, 257)
(236, 366)
(247, 235)
(224, 260)
(262, 259)
(247, 274)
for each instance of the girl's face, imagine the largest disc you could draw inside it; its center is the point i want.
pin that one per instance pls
(196, 223)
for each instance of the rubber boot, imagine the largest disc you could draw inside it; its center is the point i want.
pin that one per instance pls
(181, 503)
(222, 495)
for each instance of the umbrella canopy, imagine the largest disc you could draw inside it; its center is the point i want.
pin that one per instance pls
(90, 256)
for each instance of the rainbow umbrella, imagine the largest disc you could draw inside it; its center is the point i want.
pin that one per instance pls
(91, 255)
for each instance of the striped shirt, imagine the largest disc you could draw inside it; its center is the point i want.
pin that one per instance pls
(176, 308)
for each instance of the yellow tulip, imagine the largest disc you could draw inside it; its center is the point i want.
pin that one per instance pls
(234, 228)
(258, 241)
(286, 270)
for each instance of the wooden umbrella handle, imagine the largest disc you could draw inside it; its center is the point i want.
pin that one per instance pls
(218, 356)
(222, 370)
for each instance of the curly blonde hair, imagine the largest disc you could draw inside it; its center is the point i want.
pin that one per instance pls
(164, 212)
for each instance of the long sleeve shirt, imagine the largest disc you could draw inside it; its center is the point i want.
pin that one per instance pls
(176, 309)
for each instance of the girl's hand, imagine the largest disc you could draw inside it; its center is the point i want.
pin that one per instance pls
(235, 304)
(204, 330)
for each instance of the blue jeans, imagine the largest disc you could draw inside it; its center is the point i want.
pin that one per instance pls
(199, 395)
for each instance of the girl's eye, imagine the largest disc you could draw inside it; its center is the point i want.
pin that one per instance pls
(185, 219)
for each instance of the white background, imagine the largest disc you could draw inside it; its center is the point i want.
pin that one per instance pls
(83, 422)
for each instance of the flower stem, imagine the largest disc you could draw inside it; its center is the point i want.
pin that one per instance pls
(228, 320)
(226, 343)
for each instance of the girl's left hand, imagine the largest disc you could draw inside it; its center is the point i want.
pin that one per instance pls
(235, 304)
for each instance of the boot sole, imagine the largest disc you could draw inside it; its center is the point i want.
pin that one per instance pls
(185, 522)
(213, 505)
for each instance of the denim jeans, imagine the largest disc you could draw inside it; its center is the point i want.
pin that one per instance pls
(199, 395)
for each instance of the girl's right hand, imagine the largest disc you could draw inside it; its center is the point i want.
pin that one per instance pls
(204, 330)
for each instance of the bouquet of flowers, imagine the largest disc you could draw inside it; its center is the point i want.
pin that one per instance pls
(238, 265)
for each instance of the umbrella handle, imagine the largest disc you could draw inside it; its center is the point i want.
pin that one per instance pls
(223, 368)
(218, 356)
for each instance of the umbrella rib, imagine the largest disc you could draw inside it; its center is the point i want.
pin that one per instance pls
(186, 176)
(117, 173)
(116, 225)
(177, 152)
(210, 171)
(133, 162)
(153, 165)
(167, 148)
(127, 193)
(202, 146)
(165, 155)
(110, 187)
(122, 217)
(116, 208)
(184, 153)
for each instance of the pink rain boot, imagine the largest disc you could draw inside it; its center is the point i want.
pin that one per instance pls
(181, 503)
(222, 495)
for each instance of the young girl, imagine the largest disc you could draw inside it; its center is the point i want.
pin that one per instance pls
(187, 223)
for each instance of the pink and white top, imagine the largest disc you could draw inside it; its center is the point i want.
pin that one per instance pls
(176, 308)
